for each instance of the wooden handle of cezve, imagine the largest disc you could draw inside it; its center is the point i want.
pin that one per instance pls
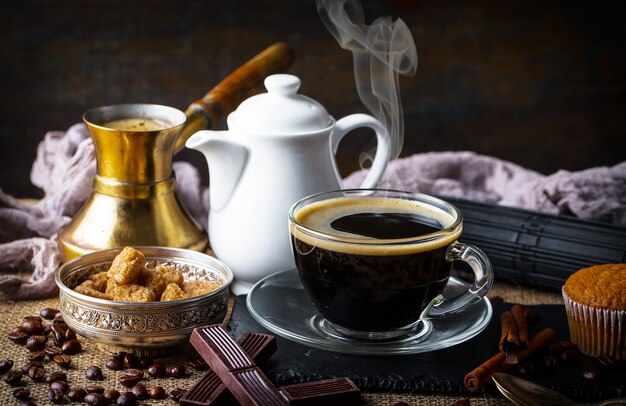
(235, 88)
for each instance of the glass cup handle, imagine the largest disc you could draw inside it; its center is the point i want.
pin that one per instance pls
(483, 279)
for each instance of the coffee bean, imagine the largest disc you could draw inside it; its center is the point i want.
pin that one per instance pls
(47, 329)
(13, 377)
(115, 364)
(70, 335)
(95, 399)
(134, 372)
(156, 370)
(52, 351)
(128, 381)
(606, 361)
(56, 376)
(32, 318)
(570, 356)
(32, 325)
(111, 395)
(76, 394)
(55, 395)
(36, 343)
(37, 356)
(496, 299)
(31, 364)
(130, 377)
(120, 355)
(58, 335)
(28, 403)
(48, 313)
(60, 385)
(5, 365)
(62, 360)
(157, 392)
(93, 373)
(71, 347)
(58, 318)
(592, 375)
(37, 374)
(126, 399)
(175, 370)
(21, 393)
(93, 388)
(145, 361)
(197, 364)
(131, 361)
(18, 329)
(139, 391)
(177, 393)
(18, 337)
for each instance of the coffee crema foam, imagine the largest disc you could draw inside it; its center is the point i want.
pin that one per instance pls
(137, 124)
(318, 217)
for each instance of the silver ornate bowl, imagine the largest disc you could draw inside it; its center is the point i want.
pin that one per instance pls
(151, 328)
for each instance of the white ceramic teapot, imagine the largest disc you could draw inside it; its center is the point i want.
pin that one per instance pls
(280, 147)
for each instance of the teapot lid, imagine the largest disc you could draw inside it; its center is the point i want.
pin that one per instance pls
(280, 111)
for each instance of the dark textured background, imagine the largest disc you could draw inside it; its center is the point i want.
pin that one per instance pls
(539, 83)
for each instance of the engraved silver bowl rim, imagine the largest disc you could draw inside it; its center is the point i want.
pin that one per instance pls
(147, 341)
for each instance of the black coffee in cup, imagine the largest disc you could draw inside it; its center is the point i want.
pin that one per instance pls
(372, 263)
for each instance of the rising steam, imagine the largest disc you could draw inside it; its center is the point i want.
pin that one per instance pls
(381, 51)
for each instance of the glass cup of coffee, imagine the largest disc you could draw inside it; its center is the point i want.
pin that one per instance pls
(375, 262)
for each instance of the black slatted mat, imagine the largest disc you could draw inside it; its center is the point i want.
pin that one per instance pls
(538, 249)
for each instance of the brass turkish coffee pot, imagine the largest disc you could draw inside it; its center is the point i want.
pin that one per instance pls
(133, 200)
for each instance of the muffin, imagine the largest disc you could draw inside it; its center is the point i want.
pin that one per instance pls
(595, 302)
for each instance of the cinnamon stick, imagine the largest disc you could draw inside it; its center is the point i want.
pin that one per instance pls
(520, 321)
(480, 376)
(509, 339)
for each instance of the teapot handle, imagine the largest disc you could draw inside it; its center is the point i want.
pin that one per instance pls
(353, 121)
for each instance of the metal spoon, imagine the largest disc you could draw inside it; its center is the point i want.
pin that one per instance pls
(525, 393)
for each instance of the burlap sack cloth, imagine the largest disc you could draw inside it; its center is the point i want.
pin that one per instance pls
(65, 167)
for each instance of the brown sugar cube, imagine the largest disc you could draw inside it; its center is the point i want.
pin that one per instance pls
(172, 292)
(129, 292)
(111, 286)
(86, 288)
(132, 293)
(152, 279)
(88, 283)
(170, 274)
(195, 288)
(126, 266)
(99, 281)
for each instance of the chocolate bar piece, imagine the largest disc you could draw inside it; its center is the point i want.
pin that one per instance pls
(209, 390)
(338, 391)
(233, 366)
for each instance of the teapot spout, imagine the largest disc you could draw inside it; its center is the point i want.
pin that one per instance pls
(226, 160)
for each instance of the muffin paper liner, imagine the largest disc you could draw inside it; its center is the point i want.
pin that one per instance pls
(596, 331)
